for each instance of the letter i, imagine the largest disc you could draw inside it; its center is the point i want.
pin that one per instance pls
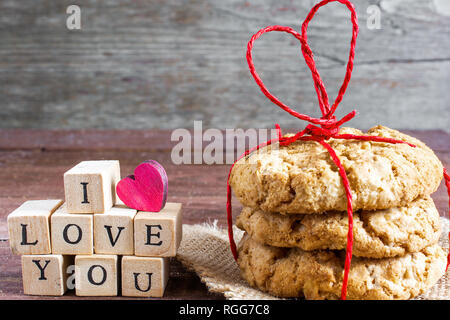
(85, 196)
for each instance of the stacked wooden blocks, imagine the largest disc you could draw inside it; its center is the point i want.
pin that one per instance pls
(92, 241)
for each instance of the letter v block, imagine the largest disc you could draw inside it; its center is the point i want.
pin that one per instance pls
(144, 276)
(90, 186)
(114, 231)
(29, 227)
(158, 233)
(45, 275)
(72, 233)
(96, 275)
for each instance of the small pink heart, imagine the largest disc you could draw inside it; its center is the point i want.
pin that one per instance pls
(146, 190)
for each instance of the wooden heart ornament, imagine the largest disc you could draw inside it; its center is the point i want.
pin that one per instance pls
(146, 190)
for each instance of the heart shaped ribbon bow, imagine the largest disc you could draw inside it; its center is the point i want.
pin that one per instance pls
(318, 129)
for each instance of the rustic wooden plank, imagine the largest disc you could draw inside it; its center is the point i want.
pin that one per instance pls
(143, 140)
(18, 139)
(164, 64)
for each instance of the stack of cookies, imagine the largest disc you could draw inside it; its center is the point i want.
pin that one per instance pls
(296, 222)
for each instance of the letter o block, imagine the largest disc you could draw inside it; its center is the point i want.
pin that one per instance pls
(72, 233)
(144, 276)
(96, 275)
(90, 186)
(158, 234)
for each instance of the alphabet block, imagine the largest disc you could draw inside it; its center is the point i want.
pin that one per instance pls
(96, 275)
(144, 276)
(158, 233)
(114, 231)
(29, 227)
(90, 186)
(72, 233)
(45, 275)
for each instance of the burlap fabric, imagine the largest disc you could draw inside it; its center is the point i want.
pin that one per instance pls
(205, 250)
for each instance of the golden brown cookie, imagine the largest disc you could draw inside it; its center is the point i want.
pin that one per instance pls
(301, 177)
(291, 272)
(377, 234)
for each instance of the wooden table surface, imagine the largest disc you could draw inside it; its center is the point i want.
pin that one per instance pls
(32, 164)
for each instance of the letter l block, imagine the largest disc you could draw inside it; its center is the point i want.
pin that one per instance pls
(29, 227)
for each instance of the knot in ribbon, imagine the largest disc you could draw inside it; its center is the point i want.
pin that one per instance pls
(319, 129)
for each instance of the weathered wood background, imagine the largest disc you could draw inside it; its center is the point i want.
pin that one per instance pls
(32, 164)
(165, 63)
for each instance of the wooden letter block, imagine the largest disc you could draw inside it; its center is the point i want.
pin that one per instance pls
(45, 275)
(96, 275)
(72, 233)
(29, 227)
(114, 231)
(158, 233)
(90, 186)
(144, 276)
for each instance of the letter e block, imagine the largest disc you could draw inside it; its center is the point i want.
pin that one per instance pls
(96, 275)
(72, 233)
(90, 186)
(29, 227)
(144, 276)
(158, 233)
(45, 275)
(114, 231)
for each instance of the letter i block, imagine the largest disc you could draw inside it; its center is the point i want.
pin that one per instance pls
(96, 275)
(29, 227)
(45, 275)
(114, 231)
(90, 186)
(144, 276)
(158, 233)
(72, 233)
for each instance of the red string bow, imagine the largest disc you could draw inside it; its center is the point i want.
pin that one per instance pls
(319, 129)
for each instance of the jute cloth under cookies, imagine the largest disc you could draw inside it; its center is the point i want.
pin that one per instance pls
(205, 250)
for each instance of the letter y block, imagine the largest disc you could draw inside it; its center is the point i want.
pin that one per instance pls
(45, 275)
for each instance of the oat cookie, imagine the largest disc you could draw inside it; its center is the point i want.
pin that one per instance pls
(377, 234)
(291, 272)
(301, 177)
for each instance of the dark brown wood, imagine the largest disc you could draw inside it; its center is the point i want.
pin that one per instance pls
(32, 166)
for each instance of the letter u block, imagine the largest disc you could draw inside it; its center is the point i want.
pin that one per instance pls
(72, 233)
(96, 275)
(158, 234)
(29, 227)
(45, 275)
(144, 276)
(90, 186)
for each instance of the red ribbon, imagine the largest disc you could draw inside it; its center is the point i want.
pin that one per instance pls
(329, 125)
